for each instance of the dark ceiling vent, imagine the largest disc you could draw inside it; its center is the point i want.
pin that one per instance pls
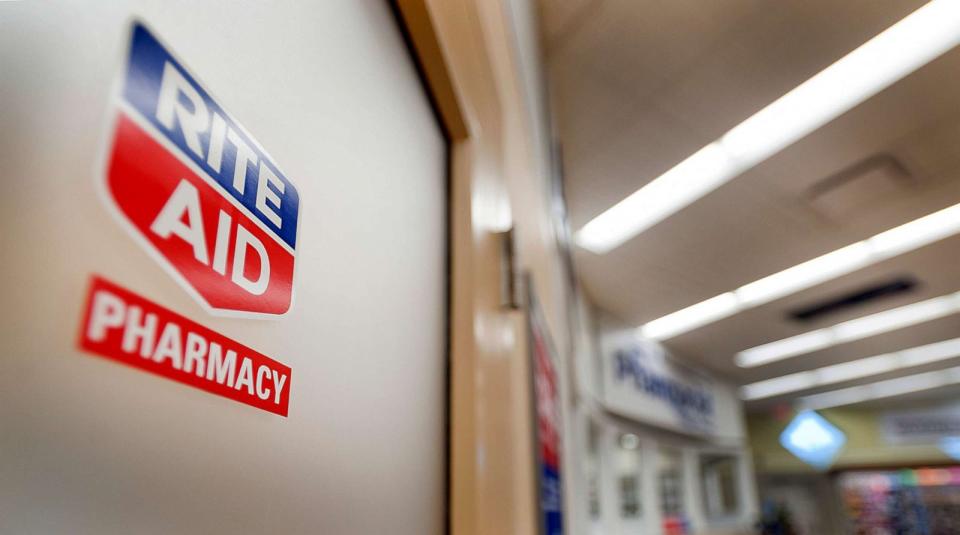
(855, 298)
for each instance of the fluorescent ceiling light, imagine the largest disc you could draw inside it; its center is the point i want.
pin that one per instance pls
(899, 50)
(850, 331)
(702, 313)
(896, 318)
(917, 233)
(779, 385)
(866, 367)
(898, 240)
(882, 389)
(786, 348)
(893, 54)
(810, 273)
(689, 180)
(855, 369)
(836, 398)
(930, 353)
(912, 383)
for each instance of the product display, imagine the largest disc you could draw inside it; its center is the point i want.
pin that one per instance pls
(903, 502)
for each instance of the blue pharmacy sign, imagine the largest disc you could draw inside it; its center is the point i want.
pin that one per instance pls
(692, 403)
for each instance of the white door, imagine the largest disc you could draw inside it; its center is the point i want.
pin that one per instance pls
(88, 445)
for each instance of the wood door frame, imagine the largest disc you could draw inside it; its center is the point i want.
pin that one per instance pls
(490, 473)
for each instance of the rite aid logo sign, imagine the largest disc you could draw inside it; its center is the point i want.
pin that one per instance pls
(197, 191)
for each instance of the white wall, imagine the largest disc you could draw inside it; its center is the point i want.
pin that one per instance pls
(690, 451)
(90, 446)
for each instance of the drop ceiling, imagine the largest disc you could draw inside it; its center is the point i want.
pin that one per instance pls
(639, 85)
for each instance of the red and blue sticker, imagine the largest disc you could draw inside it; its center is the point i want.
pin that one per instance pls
(546, 397)
(197, 191)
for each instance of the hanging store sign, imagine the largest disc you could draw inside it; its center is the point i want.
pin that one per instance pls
(122, 326)
(197, 191)
(921, 426)
(641, 382)
(692, 401)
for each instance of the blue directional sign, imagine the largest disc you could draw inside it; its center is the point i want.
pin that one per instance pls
(951, 446)
(813, 439)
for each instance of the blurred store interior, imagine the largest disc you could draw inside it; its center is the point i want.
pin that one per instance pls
(545, 267)
(769, 191)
